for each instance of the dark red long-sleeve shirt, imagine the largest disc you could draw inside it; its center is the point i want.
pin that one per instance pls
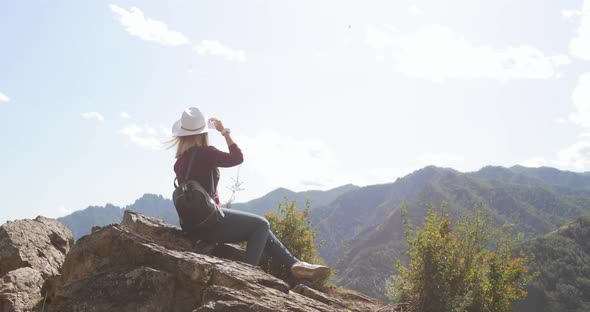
(207, 158)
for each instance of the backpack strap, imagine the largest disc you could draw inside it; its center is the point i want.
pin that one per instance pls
(212, 186)
(190, 164)
(188, 170)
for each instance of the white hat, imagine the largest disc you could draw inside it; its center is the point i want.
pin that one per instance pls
(192, 122)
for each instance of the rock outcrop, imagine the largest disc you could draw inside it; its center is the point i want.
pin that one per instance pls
(144, 264)
(31, 251)
(171, 237)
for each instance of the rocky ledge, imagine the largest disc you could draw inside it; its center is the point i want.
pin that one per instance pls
(144, 264)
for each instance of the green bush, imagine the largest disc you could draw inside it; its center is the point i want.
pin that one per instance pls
(466, 266)
(292, 227)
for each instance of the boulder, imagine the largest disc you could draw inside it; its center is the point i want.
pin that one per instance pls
(144, 264)
(20, 290)
(107, 256)
(135, 289)
(118, 269)
(31, 251)
(172, 237)
(40, 244)
(162, 233)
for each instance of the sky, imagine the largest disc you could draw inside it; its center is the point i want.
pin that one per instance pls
(317, 94)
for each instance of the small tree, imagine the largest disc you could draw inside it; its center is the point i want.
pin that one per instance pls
(467, 266)
(293, 228)
(234, 188)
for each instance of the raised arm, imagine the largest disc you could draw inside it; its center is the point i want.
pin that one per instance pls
(222, 159)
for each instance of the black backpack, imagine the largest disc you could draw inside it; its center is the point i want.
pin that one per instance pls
(195, 207)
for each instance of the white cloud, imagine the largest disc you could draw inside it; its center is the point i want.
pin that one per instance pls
(561, 120)
(4, 97)
(216, 48)
(64, 211)
(382, 37)
(580, 44)
(125, 115)
(273, 160)
(146, 136)
(436, 52)
(414, 10)
(441, 159)
(148, 29)
(569, 14)
(166, 131)
(319, 53)
(535, 162)
(581, 100)
(382, 175)
(92, 115)
(151, 131)
(576, 156)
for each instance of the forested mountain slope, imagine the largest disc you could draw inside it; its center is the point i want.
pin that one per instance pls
(363, 231)
(562, 259)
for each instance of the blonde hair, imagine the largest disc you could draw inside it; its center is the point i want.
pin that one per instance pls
(186, 142)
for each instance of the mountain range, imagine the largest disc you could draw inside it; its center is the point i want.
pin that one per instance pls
(271, 200)
(360, 227)
(364, 232)
(81, 222)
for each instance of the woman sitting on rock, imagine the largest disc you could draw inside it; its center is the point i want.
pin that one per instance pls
(191, 132)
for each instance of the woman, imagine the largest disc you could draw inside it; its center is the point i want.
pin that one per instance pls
(191, 132)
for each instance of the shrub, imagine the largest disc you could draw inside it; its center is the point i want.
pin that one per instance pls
(293, 228)
(466, 266)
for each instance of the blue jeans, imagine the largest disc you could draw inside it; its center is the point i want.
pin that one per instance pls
(239, 226)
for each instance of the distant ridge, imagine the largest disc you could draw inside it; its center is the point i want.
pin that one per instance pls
(271, 200)
(536, 176)
(81, 222)
(363, 233)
